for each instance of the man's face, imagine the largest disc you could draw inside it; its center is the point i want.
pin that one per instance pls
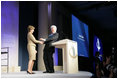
(53, 30)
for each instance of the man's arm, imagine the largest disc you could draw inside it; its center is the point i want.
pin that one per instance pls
(52, 38)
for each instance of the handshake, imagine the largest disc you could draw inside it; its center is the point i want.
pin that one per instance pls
(42, 40)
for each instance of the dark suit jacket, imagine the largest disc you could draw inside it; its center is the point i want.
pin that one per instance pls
(48, 43)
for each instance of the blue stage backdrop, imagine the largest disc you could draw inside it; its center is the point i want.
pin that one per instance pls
(80, 34)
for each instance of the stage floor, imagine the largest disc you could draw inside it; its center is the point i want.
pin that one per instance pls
(40, 74)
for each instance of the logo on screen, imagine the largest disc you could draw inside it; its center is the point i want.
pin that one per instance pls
(98, 44)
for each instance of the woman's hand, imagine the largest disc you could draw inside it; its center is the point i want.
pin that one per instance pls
(41, 42)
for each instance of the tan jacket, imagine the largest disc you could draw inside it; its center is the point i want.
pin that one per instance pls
(32, 40)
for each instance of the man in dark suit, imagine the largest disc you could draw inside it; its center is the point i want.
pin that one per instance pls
(49, 49)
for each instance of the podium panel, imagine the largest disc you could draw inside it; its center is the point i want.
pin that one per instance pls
(70, 55)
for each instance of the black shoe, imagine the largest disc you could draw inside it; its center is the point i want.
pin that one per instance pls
(51, 72)
(45, 72)
(29, 72)
(33, 73)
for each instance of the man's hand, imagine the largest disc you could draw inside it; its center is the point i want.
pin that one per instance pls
(42, 39)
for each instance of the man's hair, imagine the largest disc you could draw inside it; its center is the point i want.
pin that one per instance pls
(54, 27)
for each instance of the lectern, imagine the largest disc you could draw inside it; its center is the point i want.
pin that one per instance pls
(70, 55)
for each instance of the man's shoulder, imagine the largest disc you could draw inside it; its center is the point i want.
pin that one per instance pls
(56, 33)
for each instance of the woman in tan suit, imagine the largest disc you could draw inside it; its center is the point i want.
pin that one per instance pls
(31, 47)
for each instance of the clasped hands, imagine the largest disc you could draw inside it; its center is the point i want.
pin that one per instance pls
(42, 40)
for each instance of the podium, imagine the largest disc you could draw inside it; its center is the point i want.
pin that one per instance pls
(70, 55)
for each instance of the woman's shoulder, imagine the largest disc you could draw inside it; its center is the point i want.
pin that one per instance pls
(29, 33)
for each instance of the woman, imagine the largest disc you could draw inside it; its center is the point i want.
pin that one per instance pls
(31, 47)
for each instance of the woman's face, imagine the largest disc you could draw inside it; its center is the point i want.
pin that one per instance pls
(32, 30)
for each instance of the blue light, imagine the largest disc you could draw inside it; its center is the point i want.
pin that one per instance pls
(97, 47)
(56, 57)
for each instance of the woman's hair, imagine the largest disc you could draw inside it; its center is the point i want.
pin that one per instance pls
(30, 27)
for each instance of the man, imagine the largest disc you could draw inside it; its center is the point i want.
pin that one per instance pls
(97, 65)
(49, 49)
